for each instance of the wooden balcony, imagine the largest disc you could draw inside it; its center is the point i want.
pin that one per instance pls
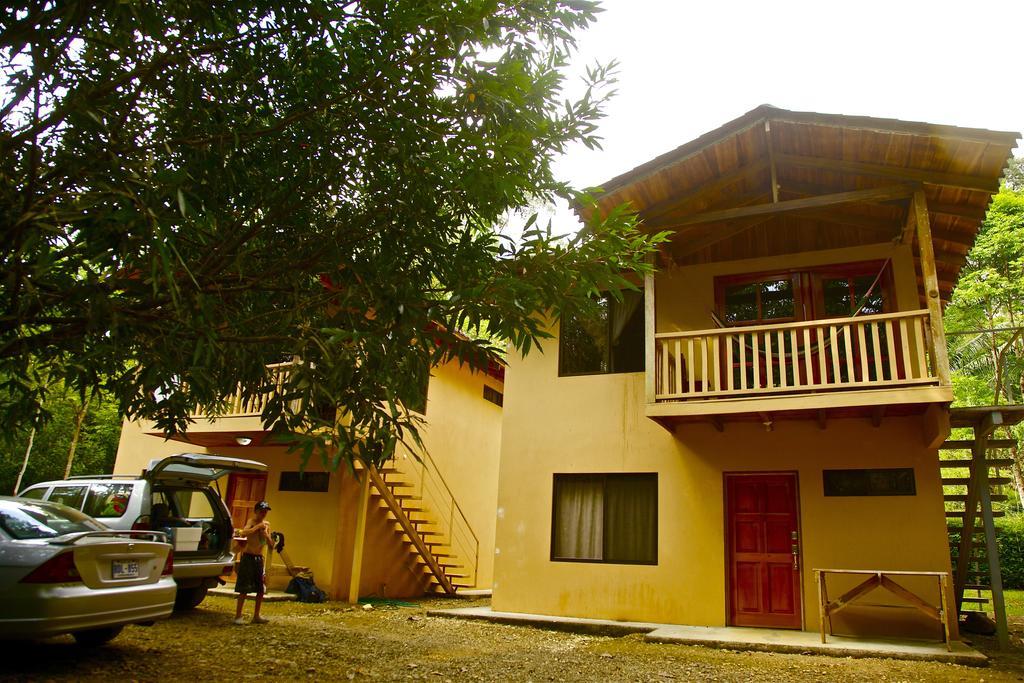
(239, 407)
(841, 363)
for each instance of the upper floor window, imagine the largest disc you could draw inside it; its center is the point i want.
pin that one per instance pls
(612, 340)
(760, 299)
(835, 291)
(419, 403)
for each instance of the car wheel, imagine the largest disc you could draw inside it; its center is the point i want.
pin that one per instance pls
(96, 636)
(189, 598)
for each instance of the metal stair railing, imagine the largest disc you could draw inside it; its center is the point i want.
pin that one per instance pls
(441, 506)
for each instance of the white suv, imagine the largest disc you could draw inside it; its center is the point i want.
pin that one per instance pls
(173, 495)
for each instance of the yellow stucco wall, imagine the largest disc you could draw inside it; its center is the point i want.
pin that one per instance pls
(596, 424)
(462, 435)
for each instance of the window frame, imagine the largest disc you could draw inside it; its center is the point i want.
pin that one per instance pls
(604, 476)
(795, 277)
(808, 292)
(850, 271)
(608, 342)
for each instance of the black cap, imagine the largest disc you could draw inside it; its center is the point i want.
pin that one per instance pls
(263, 505)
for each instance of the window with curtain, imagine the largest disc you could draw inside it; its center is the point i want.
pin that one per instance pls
(610, 341)
(610, 518)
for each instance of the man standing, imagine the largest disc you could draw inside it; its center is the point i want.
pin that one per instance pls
(250, 577)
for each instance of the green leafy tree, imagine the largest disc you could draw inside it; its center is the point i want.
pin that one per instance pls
(985, 320)
(94, 453)
(190, 191)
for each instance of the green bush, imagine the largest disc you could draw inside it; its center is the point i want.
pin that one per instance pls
(1010, 539)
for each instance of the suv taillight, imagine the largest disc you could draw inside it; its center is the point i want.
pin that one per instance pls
(58, 569)
(169, 564)
(140, 525)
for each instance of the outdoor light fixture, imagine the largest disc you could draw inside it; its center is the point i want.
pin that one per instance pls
(243, 440)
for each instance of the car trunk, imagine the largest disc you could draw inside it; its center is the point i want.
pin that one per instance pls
(105, 563)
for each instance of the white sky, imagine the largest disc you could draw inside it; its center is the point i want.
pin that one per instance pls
(687, 67)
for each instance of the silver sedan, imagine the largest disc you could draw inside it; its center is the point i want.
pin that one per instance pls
(63, 572)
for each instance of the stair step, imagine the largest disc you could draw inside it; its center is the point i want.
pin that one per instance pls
(977, 601)
(962, 498)
(405, 496)
(964, 481)
(969, 443)
(962, 513)
(977, 587)
(991, 462)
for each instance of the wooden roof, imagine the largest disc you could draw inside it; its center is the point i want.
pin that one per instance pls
(811, 155)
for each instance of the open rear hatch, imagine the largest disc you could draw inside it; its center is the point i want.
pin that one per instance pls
(190, 469)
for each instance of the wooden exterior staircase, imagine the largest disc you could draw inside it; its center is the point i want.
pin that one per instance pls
(977, 580)
(428, 520)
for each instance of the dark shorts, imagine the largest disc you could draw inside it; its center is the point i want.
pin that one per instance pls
(249, 578)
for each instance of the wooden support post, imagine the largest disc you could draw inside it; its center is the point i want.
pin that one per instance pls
(360, 536)
(946, 616)
(650, 329)
(940, 353)
(909, 225)
(991, 549)
(771, 161)
(935, 426)
(819, 578)
(877, 413)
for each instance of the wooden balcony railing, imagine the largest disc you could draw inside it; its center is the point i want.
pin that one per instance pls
(240, 407)
(865, 352)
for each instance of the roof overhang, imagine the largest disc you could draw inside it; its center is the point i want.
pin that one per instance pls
(834, 181)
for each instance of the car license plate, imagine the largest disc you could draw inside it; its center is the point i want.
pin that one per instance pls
(124, 569)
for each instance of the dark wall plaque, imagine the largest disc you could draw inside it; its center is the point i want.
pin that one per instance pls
(896, 481)
(316, 482)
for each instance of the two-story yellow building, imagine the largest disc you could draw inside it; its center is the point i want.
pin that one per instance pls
(770, 403)
(418, 524)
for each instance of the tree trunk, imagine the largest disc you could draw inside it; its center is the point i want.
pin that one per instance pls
(80, 414)
(24, 463)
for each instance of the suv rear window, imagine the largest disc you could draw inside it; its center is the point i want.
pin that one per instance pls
(107, 500)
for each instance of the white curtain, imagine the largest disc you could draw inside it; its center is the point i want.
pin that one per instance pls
(579, 521)
(623, 311)
(631, 519)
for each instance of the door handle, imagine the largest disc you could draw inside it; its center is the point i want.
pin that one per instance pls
(796, 556)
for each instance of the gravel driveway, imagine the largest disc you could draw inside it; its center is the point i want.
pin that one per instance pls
(333, 642)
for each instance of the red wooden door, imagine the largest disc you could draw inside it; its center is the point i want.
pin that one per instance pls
(244, 491)
(762, 523)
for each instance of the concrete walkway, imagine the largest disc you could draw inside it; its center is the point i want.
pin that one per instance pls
(733, 638)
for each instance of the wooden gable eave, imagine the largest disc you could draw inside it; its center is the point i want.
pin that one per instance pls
(838, 180)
